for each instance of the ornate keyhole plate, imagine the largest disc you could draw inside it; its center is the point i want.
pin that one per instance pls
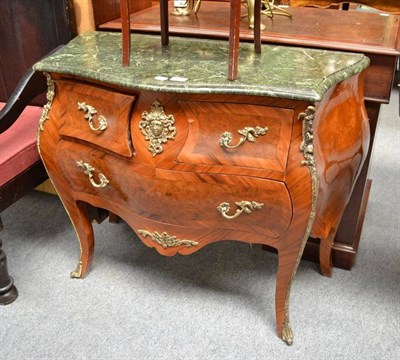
(157, 128)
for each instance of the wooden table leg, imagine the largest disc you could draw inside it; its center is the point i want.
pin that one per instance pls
(234, 31)
(126, 32)
(164, 22)
(257, 26)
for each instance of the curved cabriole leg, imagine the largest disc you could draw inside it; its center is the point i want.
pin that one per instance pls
(47, 141)
(8, 291)
(288, 262)
(79, 215)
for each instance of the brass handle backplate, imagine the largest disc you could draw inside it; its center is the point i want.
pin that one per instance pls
(243, 206)
(90, 112)
(248, 133)
(88, 170)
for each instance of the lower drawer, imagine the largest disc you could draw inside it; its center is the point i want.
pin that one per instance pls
(180, 198)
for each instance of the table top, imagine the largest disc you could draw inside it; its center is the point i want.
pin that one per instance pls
(197, 66)
(309, 27)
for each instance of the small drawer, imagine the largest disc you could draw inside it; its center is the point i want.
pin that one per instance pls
(96, 115)
(234, 134)
(188, 199)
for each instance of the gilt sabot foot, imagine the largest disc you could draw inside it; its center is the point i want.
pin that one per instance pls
(287, 334)
(77, 274)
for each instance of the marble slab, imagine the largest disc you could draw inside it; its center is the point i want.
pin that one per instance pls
(199, 66)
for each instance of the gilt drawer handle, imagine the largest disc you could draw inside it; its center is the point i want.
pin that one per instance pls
(90, 112)
(243, 206)
(248, 133)
(88, 170)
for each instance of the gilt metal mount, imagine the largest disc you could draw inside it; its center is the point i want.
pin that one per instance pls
(248, 134)
(90, 111)
(166, 240)
(157, 128)
(89, 170)
(243, 206)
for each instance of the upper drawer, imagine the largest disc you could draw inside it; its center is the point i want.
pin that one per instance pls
(237, 134)
(96, 115)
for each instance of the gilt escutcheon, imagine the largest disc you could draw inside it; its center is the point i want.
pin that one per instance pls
(157, 128)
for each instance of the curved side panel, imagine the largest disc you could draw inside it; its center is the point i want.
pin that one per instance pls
(341, 140)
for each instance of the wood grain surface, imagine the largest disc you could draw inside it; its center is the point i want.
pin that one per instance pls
(115, 107)
(342, 134)
(375, 35)
(391, 6)
(175, 194)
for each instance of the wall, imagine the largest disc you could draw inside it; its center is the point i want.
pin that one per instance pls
(29, 29)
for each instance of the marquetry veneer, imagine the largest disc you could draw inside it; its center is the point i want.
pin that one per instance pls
(269, 159)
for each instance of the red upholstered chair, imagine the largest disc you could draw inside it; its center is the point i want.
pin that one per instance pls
(21, 169)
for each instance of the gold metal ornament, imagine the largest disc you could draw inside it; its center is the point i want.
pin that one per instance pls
(90, 112)
(157, 128)
(77, 274)
(188, 7)
(268, 9)
(307, 147)
(50, 97)
(88, 170)
(248, 133)
(166, 240)
(287, 333)
(243, 206)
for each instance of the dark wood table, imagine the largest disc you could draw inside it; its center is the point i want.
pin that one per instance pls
(373, 34)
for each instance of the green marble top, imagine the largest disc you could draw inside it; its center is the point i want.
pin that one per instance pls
(200, 66)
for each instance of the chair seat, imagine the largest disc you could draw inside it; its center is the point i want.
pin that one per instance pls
(18, 150)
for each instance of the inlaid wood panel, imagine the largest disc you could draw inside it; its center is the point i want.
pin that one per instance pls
(180, 207)
(374, 35)
(266, 150)
(96, 115)
(342, 137)
(180, 198)
(176, 130)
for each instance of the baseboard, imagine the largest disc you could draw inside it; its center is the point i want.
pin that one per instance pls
(343, 255)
